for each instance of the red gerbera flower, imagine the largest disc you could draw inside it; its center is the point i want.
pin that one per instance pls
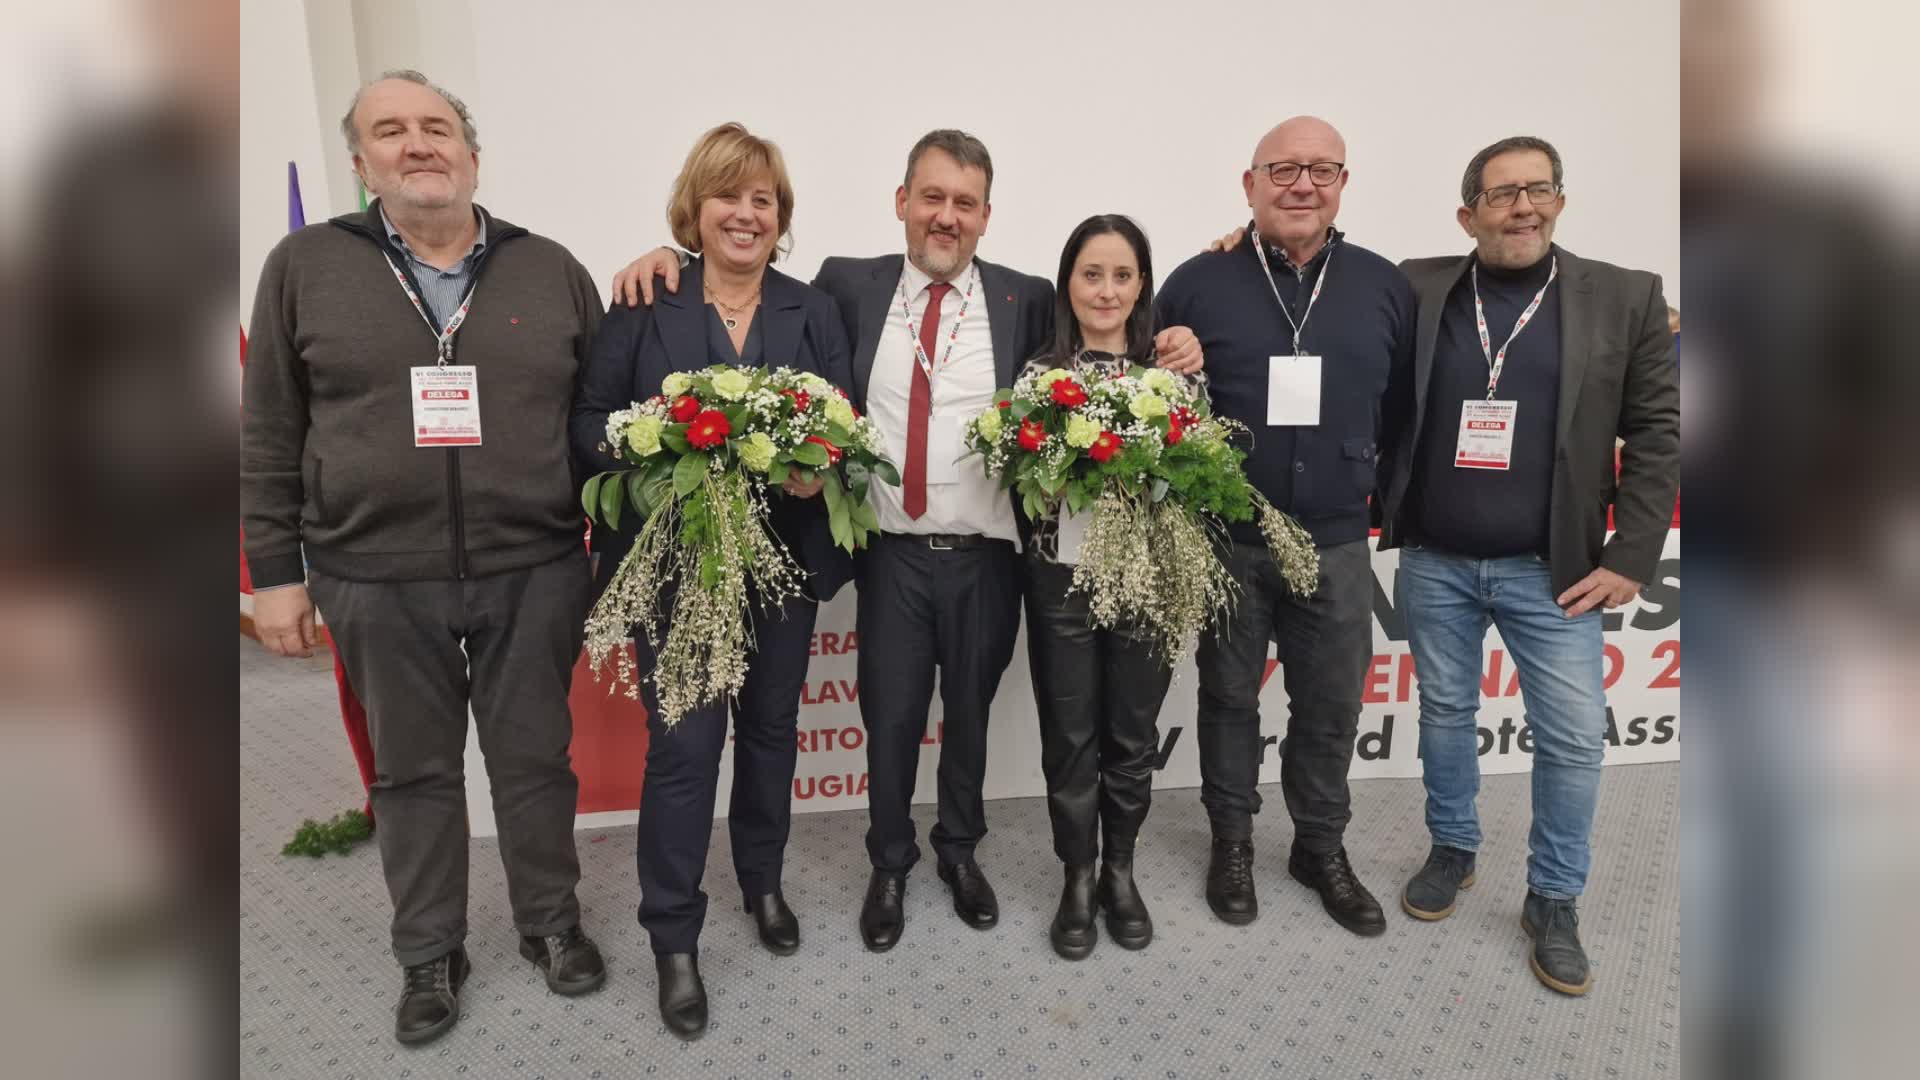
(1069, 393)
(799, 397)
(1175, 431)
(833, 452)
(1033, 435)
(708, 430)
(1104, 447)
(685, 408)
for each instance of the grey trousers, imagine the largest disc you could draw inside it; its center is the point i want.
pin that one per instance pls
(401, 642)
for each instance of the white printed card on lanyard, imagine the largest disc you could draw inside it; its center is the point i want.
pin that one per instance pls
(1293, 382)
(446, 397)
(1487, 425)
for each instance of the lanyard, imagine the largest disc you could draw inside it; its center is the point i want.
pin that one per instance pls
(1300, 327)
(1497, 361)
(443, 343)
(919, 354)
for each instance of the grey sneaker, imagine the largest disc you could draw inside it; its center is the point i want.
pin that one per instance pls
(1430, 894)
(1556, 957)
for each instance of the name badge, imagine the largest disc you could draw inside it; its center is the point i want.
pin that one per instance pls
(944, 447)
(1071, 536)
(1293, 391)
(446, 405)
(1486, 435)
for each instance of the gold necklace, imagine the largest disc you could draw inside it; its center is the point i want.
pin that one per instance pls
(730, 313)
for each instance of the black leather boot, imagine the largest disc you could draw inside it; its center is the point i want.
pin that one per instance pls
(1230, 882)
(683, 997)
(1128, 923)
(779, 929)
(430, 998)
(1073, 933)
(1331, 875)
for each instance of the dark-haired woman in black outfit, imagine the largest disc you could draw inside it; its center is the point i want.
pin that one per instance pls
(1098, 691)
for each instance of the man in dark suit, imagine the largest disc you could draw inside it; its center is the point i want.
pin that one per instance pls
(1530, 362)
(940, 587)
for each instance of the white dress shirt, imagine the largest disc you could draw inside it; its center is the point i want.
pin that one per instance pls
(961, 498)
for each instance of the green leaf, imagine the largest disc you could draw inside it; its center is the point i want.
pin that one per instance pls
(836, 435)
(811, 454)
(858, 483)
(1019, 411)
(590, 495)
(1159, 489)
(777, 473)
(637, 492)
(884, 469)
(838, 524)
(688, 474)
(611, 496)
(676, 440)
(836, 495)
(1078, 498)
(1035, 506)
(736, 417)
(865, 516)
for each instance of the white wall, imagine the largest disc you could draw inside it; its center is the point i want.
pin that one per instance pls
(588, 110)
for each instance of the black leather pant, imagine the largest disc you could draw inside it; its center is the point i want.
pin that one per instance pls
(1098, 693)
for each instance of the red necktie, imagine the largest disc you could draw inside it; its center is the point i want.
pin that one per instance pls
(913, 496)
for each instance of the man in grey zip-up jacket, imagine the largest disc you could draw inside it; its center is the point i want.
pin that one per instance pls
(404, 455)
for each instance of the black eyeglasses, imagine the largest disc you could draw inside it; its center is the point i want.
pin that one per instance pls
(1507, 194)
(1284, 173)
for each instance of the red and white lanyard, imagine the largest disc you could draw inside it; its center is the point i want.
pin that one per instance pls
(1300, 327)
(1497, 361)
(919, 354)
(443, 344)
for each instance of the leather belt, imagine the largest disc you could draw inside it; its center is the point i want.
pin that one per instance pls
(945, 541)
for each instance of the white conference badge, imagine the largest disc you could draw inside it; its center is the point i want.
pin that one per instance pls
(446, 405)
(1486, 435)
(1071, 536)
(1293, 382)
(1486, 427)
(944, 450)
(1293, 391)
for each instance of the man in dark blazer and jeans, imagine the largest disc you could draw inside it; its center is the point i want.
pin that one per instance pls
(1530, 362)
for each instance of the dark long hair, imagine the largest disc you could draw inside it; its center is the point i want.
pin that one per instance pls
(1066, 328)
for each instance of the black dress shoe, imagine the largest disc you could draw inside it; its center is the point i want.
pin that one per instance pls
(430, 998)
(779, 930)
(973, 898)
(1128, 923)
(1073, 933)
(1230, 882)
(1348, 901)
(1431, 893)
(883, 914)
(1557, 957)
(569, 958)
(683, 997)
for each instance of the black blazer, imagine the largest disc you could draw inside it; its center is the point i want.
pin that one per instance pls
(1618, 378)
(1019, 310)
(637, 348)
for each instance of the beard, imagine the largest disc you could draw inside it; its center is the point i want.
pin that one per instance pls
(939, 265)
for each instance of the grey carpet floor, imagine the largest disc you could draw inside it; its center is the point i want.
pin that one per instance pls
(1291, 995)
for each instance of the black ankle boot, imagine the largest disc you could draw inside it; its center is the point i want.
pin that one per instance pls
(1128, 923)
(683, 996)
(1230, 882)
(1073, 933)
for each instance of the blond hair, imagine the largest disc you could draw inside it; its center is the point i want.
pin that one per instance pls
(723, 160)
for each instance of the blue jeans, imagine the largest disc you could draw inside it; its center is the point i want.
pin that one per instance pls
(1449, 601)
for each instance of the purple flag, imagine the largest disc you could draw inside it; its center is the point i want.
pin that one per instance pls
(296, 214)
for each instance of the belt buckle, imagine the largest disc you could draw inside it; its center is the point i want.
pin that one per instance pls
(934, 543)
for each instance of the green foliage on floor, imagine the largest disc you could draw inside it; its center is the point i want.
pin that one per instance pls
(338, 836)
